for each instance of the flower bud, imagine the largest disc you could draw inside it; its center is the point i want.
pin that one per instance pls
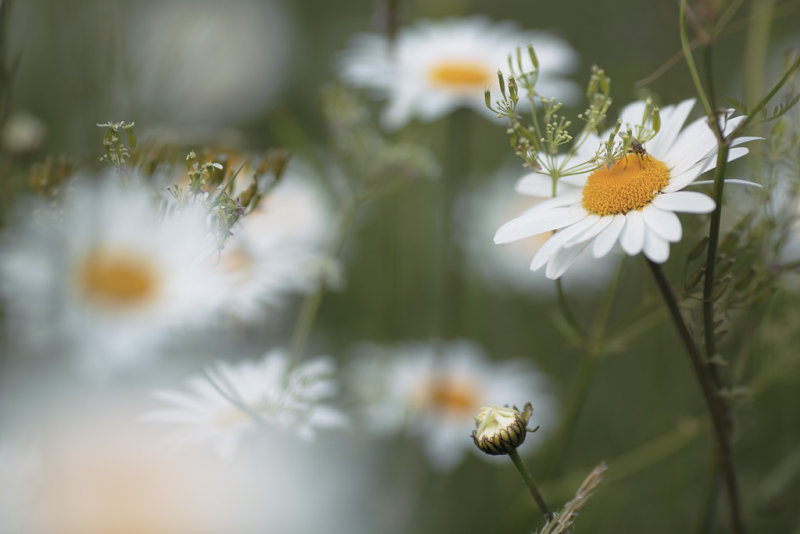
(501, 430)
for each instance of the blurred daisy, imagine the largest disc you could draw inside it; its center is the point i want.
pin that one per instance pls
(479, 214)
(433, 68)
(278, 249)
(633, 202)
(436, 393)
(108, 275)
(231, 400)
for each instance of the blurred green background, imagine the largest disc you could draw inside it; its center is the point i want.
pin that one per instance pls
(643, 413)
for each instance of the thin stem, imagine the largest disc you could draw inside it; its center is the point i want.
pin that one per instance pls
(311, 304)
(757, 109)
(566, 311)
(526, 476)
(717, 407)
(687, 53)
(711, 258)
(706, 520)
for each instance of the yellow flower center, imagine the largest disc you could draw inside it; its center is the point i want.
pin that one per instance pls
(460, 74)
(115, 278)
(450, 395)
(630, 184)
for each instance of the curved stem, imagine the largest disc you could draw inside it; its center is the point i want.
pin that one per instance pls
(687, 53)
(526, 476)
(717, 407)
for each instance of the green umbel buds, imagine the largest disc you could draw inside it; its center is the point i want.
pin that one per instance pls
(501, 430)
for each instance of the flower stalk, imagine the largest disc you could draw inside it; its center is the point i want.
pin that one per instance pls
(717, 407)
(531, 485)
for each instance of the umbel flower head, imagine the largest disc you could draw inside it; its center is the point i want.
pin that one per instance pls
(432, 68)
(632, 202)
(501, 430)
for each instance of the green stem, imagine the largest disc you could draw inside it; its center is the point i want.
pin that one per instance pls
(687, 53)
(567, 311)
(706, 521)
(526, 476)
(311, 304)
(711, 258)
(717, 407)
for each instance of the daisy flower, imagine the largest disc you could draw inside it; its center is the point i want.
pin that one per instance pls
(634, 202)
(267, 390)
(107, 275)
(278, 249)
(479, 214)
(432, 68)
(435, 393)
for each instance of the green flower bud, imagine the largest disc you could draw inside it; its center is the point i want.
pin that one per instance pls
(501, 430)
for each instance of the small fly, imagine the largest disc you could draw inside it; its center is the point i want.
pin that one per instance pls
(637, 148)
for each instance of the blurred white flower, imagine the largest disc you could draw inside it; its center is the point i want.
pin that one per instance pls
(481, 211)
(279, 248)
(435, 392)
(433, 68)
(107, 276)
(211, 62)
(232, 400)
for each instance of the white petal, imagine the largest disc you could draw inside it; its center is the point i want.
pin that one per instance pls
(684, 202)
(730, 181)
(655, 248)
(552, 245)
(604, 242)
(562, 261)
(532, 223)
(665, 223)
(632, 238)
(672, 119)
(601, 223)
(535, 184)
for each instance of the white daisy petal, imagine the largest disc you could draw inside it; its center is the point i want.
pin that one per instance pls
(562, 261)
(655, 247)
(560, 239)
(598, 225)
(632, 238)
(685, 202)
(665, 223)
(604, 242)
(537, 223)
(729, 181)
(671, 124)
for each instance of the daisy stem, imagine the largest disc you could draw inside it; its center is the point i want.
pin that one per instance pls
(526, 476)
(711, 258)
(717, 407)
(567, 312)
(311, 304)
(687, 53)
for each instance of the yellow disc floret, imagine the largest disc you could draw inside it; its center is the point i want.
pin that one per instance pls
(460, 74)
(630, 184)
(120, 279)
